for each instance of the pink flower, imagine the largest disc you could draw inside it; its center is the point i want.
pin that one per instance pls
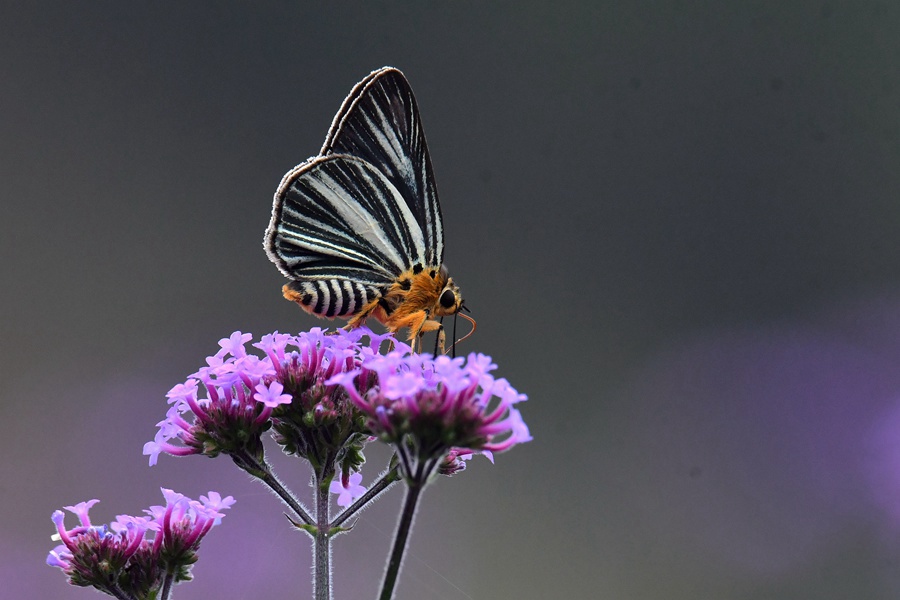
(351, 492)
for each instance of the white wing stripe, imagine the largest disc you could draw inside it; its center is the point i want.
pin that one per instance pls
(391, 146)
(310, 242)
(350, 211)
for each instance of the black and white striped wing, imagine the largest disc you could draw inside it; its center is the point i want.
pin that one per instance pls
(342, 231)
(379, 122)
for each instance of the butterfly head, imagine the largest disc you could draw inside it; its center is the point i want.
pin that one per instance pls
(449, 301)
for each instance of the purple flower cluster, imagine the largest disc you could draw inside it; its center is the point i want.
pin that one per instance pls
(323, 396)
(439, 408)
(132, 556)
(244, 395)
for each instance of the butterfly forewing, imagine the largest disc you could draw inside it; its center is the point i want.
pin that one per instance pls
(379, 122)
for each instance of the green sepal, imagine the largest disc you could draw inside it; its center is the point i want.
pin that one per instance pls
(308, 528)
(336, 530)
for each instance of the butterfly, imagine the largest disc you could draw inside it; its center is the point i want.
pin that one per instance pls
(358, 228)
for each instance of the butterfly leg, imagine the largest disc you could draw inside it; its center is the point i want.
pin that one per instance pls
(360, 318)
(440, 340)
(419, 324)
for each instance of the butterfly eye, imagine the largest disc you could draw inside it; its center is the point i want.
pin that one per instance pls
(448, 299)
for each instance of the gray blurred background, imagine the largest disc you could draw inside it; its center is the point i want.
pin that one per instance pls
(675, 222)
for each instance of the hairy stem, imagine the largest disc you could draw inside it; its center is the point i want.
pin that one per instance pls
(166, 591)
(322, 572)
(116, 592)
(261, 470)
(416, 484)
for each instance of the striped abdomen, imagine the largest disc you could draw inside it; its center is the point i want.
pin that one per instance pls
(332, 298)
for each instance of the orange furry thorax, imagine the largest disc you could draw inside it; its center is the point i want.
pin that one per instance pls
(413, 292)
(413, 301)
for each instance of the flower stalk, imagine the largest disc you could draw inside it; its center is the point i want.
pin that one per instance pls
(262, 471)
(322, 543)
(415, 485)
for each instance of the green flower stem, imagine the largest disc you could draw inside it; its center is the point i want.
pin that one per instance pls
(261, 470)
(387, 479)
(116, 592)
(415, 485)
(166, 591)
(322, 574)
(404, 459)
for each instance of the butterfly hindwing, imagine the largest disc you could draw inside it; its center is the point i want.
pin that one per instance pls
(338, 217)
(379, 122)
